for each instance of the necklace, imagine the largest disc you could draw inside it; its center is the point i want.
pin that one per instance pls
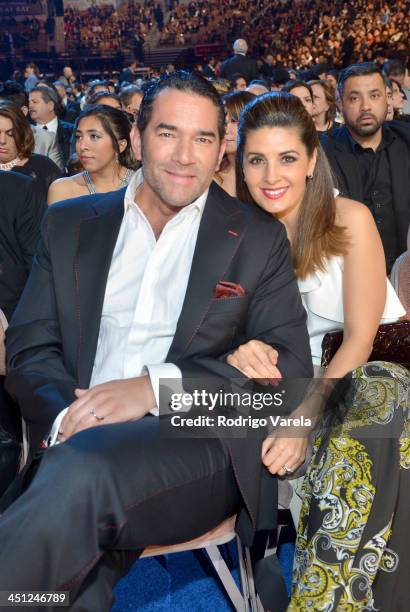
(9, 165)
(91, 187)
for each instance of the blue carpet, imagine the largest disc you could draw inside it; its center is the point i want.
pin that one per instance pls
(183, 582)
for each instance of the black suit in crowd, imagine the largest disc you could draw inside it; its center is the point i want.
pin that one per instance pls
(239, 64)
(380, 180)
(21, 210)
(71, 111)
(64, 135)
(121, 486)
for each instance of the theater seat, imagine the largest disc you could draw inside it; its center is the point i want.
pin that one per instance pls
(3, 327)
(222, 534)
(400, 277)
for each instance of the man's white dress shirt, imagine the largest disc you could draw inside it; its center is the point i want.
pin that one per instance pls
(52, 126)
(144, 294)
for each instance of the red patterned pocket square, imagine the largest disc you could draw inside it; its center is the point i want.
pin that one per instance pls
(226, 289)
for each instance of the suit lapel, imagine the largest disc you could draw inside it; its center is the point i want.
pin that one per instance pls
(220, 233)
(96, 242)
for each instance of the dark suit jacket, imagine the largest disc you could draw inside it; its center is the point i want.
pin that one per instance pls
(239, 64)
(71, 111)
(344, 164)
(21, 210)
(64, 135)
(52, 339)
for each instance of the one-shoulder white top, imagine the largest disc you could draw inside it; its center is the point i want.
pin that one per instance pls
(322, 297)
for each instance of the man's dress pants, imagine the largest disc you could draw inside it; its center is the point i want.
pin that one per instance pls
(107, 490)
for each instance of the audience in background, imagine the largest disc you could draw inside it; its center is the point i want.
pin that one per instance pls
(45, 142)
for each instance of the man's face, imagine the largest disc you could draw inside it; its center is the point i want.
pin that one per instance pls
(180, 148)
(364, 104)
(240, 84)
(68, 73)
(61, 91)
(40, 111)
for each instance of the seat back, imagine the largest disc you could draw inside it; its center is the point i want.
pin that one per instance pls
(3, 327)
(400, 277)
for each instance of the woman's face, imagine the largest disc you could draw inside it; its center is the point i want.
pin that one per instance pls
(240, 84)
(397, 97)
(93, 145)
(231, 135)
(320, 104)
(275, 167)
(304, 95)
(8, 148)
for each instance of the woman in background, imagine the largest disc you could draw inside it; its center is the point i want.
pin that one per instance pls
(17, 150)
(324, 106)
(103, 147)
(234, 102)
(301, 90)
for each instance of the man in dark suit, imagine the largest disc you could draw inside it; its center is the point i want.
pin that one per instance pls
(21, 210)
(70, 109)
(371, 157)
(239, 63)
(44, 107)
(153, 282)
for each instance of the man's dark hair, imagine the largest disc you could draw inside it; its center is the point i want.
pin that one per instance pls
(49, 95)
(260, 82)
(12, 91)
(97, 97)
(357, 70)
(128, 92)
(394, 68)
(185, 81)
(292, 84)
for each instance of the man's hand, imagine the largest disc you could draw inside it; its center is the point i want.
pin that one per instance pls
(280, 452)
(255, 359)
(116, 401)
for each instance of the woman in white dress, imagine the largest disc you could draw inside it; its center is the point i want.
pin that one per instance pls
(339, 261)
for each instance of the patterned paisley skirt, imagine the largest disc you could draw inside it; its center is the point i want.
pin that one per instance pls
(353, 541)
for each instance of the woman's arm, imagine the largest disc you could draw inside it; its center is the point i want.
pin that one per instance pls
(364, 288)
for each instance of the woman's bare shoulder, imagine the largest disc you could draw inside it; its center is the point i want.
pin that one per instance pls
(352, 214)
(66, 187)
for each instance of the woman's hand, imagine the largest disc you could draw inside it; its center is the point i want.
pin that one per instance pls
(279, 453)
(255, 359)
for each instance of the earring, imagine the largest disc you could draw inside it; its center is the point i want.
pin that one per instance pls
(117, 158)
(310, 177)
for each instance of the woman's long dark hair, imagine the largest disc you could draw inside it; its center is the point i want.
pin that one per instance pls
(317, 235)
(117, 125)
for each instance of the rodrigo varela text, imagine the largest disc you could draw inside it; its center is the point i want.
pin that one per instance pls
(220, 420)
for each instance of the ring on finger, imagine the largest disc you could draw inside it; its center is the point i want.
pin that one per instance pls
(95, 415)
(287, 469)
